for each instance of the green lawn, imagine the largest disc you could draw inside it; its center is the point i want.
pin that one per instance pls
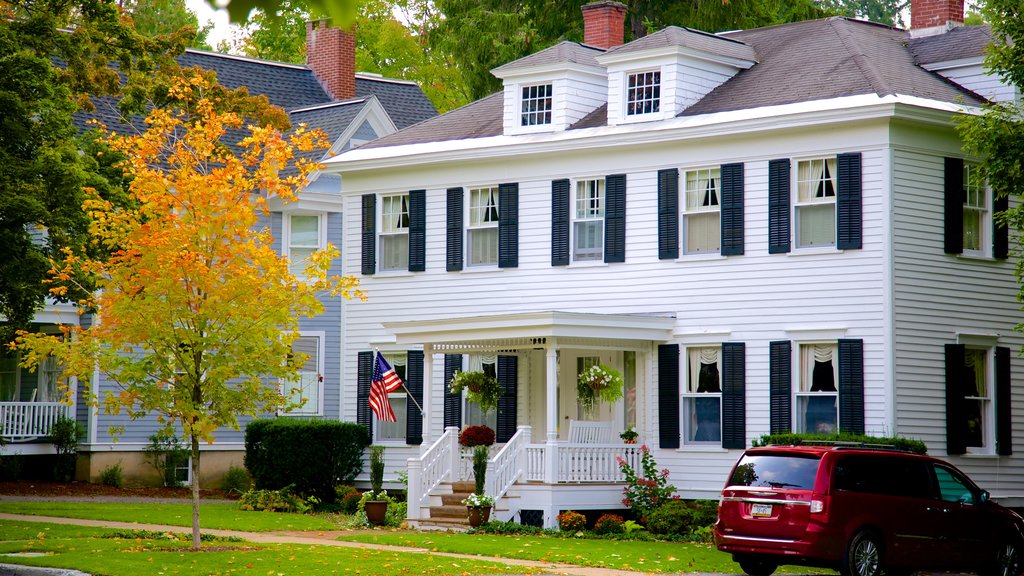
(85, 549)
(212, 516)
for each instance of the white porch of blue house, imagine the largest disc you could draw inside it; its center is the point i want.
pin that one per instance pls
(539, 469)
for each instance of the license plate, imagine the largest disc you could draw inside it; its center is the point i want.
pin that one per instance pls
(761, 510)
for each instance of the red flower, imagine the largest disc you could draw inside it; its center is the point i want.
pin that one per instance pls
(476, 436)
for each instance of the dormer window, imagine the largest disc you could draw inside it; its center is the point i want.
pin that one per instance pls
(536, 105)
(643, 93)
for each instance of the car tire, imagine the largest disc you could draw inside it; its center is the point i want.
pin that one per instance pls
(757, 566)
(1007, 559)
(863, 555)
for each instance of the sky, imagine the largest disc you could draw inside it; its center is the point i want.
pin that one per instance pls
(205, 13)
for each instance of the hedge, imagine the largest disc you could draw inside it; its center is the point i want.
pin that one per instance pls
(790, 439)
(312, 455)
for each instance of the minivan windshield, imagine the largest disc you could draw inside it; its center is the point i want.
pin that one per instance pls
(776, 471)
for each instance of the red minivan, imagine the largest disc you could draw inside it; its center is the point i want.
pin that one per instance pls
(862, 510)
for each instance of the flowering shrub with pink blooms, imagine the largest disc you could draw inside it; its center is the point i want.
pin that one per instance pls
(647, 489)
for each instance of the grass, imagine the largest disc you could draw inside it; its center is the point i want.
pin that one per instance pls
(82, 548)
(212, 516)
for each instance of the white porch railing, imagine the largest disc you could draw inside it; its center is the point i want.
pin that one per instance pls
(22, 421)
(430, 469)
(505, 467)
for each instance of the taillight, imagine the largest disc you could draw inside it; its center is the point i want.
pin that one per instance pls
(818, 504)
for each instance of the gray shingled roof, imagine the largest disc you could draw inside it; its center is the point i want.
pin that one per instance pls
(333, 119)
(563, 52)
(404, 102)
(958, 43)
(475, 120)
(689, 38)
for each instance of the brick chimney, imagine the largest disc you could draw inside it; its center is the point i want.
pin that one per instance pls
(929, 17)
(331, 55)
(603, 24)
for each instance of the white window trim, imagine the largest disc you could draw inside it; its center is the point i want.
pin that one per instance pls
(988, 417)
(286, 232)
(985, 232)
(625, 93)
(380, 234)
(546, 126)
(467, 219)
(684, 252)
(797, 369)
(684, 393)
(794, 204)
(573, 220)
(306, 410)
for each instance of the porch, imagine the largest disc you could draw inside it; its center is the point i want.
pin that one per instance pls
(28, 421)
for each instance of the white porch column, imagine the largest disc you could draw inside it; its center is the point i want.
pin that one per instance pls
(551, 388)
(428, 384)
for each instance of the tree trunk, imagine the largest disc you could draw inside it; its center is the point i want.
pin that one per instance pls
(195, 492)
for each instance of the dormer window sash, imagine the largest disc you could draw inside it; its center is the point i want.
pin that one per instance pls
(536, 105)
(643, 93)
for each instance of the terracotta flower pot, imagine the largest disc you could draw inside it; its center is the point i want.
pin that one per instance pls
(375, 511)
(478, 515)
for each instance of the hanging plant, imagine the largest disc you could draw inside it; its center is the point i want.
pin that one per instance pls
(599, 383)
(481, 389)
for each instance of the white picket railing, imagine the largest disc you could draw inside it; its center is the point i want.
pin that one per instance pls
(505, 467)
(431, 468)
(580, 462)
(22, 421)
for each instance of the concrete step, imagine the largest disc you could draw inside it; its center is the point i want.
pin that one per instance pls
(467, 486)
(448, 511)
(454, 499)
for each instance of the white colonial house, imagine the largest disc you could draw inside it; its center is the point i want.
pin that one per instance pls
(765, 230)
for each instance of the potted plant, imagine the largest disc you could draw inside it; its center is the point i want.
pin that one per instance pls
(629, 435)
(377, 507)
(473, 436)
(478, 504)
(480, 388)
(599, 383)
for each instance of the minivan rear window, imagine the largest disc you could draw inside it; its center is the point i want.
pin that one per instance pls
(775, 471)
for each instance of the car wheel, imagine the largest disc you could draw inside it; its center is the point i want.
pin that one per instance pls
(1007, 559)
(863, 556)
(757, 566)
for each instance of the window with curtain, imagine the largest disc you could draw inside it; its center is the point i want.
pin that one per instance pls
(629, 388)
(588, 220)
(303, 239)
(817, 398)
(702, 396)
(643, 93)
(977, 398)
(977, 204)
(702, 211)
(482, 231)
(536, 105)
(394, 232)
(816, 202)
(308, 388)
(49, 380)
(394, 431)
(472, 415)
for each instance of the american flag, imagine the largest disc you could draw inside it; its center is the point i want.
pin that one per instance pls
(384, 381)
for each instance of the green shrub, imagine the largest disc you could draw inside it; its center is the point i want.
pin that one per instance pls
(65, 434)
(112, 475)
(570, 521)
(347, 497)
(394, 517)
(236, 481)
(312, 455)
(376, 468)
(167, 455)
(909, 444)
(283, 500)
(682, 517)
(608, 524)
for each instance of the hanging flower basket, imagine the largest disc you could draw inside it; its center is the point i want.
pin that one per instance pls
(476, 436)
(599, 383)
(481, 389)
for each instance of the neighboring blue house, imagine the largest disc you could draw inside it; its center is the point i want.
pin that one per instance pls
(327, 94)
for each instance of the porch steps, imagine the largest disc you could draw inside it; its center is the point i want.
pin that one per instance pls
(451, 513)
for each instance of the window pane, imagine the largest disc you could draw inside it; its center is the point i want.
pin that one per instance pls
(394, 213)
(393, 430)
(952, 488)
(483, 207)
(973, 229)
(703, 233)
(816, 225)
(307, 387)
(536, 105)
(643, 95)
(776, 471)
(305, 230)
(394, 250)
(483, 246)
(298, 259)
(703, 422)
(818, 413)
(588, 240)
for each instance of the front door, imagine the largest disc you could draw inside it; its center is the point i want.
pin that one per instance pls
(570, 364)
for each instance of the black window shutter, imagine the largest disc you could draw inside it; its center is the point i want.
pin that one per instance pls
(849, 212)
(668, 395)
(364, 372)
(508, 377)
(615, 218)
(734, 375)
(778, 206)
(1000, 232)
(851, 386)
(1004, 428)
(452, 402)
(560, 222)
(508, 225)
(956, 441)
(453, 249)
(417, 230)
(414, 383)
(732, 209)
(369, 248)
(954, 207)
(668, 214)
(780, 383)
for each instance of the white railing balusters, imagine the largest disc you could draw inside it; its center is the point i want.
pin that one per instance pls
(22, 421)
(506, 466)
(430, 469)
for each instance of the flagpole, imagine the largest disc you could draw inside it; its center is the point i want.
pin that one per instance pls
(408, 394)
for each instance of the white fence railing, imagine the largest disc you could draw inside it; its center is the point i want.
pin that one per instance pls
(579, 462)
(21, 421)
(430, 469)
(504, 468)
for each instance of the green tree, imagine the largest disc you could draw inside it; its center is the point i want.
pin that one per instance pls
(42, 172)
(155, 17)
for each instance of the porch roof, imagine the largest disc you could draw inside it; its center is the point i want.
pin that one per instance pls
(533, 330)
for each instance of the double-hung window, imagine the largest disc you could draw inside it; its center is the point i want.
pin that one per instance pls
(977, 398)
(482, 232)
(702, 210)
(643, 93)
(536, 105)
(588, 220)
(394, 232)
(702, 396)
(305, 236)
(817, 398)
(474, 416)
(395, 431)
(977, 218)
(816, 202)
(306, 392)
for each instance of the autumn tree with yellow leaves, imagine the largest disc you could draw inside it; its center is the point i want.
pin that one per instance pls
(194, 310)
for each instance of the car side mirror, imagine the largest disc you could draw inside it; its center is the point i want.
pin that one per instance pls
(984, 497)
